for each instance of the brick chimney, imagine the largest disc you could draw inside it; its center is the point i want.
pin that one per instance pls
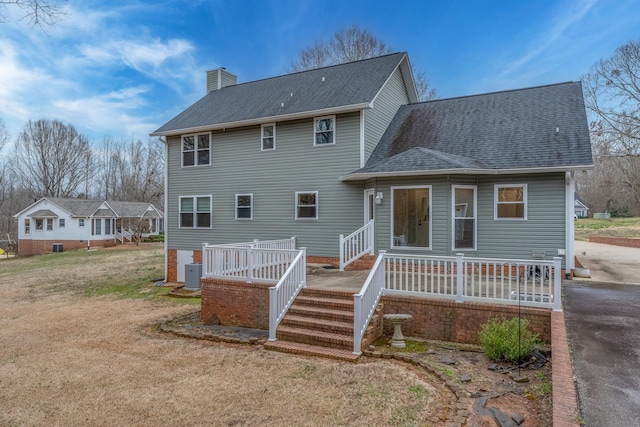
(219, 78)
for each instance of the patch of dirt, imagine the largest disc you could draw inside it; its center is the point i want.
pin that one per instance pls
(484, 383)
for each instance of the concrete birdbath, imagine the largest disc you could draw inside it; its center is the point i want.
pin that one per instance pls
(397, 320)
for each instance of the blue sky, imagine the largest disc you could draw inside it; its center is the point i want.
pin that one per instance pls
(122, 69)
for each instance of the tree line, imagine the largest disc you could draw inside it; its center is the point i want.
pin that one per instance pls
(52, 159)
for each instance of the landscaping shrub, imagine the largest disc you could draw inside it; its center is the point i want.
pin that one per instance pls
(499, 339)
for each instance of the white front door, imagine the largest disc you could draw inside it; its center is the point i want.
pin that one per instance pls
(369, 201)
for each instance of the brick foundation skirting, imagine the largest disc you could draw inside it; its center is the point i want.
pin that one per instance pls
(28, 247)
(447, 320)
(229, 302)
(618, 241)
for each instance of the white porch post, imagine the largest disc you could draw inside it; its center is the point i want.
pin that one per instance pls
(342, 252)
(459, 276)
(570, 226)
(557, 283)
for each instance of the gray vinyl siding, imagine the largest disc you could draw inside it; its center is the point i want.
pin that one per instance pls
(544, 228)
(385, 106)
(273, 176)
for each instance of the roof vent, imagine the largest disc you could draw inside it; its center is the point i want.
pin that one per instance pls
(219, 78)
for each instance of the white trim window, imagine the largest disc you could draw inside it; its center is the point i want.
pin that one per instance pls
(196, 150)
(81, 222)
(510, 202)
(96, 228)
(107, 226)
(464, 217)
(411, 217)
(61, 222)
(324, 130)
(27, 226)
(195, 212)
(39, 224)
(49, 224)
(268, 132)
(244, 206)
(306, 205)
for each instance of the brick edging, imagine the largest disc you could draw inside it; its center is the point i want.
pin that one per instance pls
(565, 402)
(617, 241)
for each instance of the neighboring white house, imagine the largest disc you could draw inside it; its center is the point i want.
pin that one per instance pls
(580, 209)
(56, 224)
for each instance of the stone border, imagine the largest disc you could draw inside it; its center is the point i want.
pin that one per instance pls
(617, 241)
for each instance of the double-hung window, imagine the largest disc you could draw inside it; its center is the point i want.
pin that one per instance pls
(27, 226)
(464, 217)
(107, 226)
(324, 130)
(97, 227)
(81, 222)
(196, 150)
(39, 224)
(61, 223)
(49, 224)
(510, 201)
(306, 205)
(244, 206)
(411, 220)
(195, 212)
(268, 136)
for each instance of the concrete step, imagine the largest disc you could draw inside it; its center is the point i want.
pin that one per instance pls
(311, 350)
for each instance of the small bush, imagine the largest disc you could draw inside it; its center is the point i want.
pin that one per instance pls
(499, 339)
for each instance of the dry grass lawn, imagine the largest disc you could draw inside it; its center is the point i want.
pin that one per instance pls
(78, 346)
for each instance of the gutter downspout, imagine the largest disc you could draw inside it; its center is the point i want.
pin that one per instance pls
(163, 139)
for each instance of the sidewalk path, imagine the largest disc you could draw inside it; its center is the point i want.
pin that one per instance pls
(609, 263)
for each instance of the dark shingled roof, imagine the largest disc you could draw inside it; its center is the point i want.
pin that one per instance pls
(353, 83)
(539, 127)
(43, 213)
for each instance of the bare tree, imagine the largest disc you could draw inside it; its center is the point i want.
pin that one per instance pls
(37, 12)
(348, 45)
(612, 96)
(51, 159)
(131, 171)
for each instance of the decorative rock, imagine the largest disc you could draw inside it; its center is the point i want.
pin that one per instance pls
(465, 378)
(519, 378)
(446, 359)
(492, 367)
(518, 418)
(502, 419)
(372, 348)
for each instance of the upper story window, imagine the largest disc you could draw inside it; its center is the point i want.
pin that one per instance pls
(195, 212)
(27, 226)
(196, 150)
(306, 205)
(510, 201)
(244, 206)
(324, 130)
(269, 136)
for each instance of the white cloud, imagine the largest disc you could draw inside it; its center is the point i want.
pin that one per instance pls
(549, 37)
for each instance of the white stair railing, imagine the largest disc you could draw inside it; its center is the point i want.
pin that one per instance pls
(281, 295)
(356, 244)
(366, 301)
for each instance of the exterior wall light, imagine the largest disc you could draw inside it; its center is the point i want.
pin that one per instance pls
(379, 198)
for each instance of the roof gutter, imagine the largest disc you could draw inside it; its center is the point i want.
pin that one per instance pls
(260, 120)
(463, 171)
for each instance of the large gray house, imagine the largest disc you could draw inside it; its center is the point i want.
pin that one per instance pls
(320, 153)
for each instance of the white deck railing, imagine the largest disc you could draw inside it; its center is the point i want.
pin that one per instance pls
(247, 263)
(281, 295)
(124, 235)
(356, 244)
(366, 301)
(533, 283)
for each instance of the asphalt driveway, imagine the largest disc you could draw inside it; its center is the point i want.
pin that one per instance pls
(603, 328)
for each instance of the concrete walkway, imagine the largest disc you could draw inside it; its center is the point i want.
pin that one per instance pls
(609, 263)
